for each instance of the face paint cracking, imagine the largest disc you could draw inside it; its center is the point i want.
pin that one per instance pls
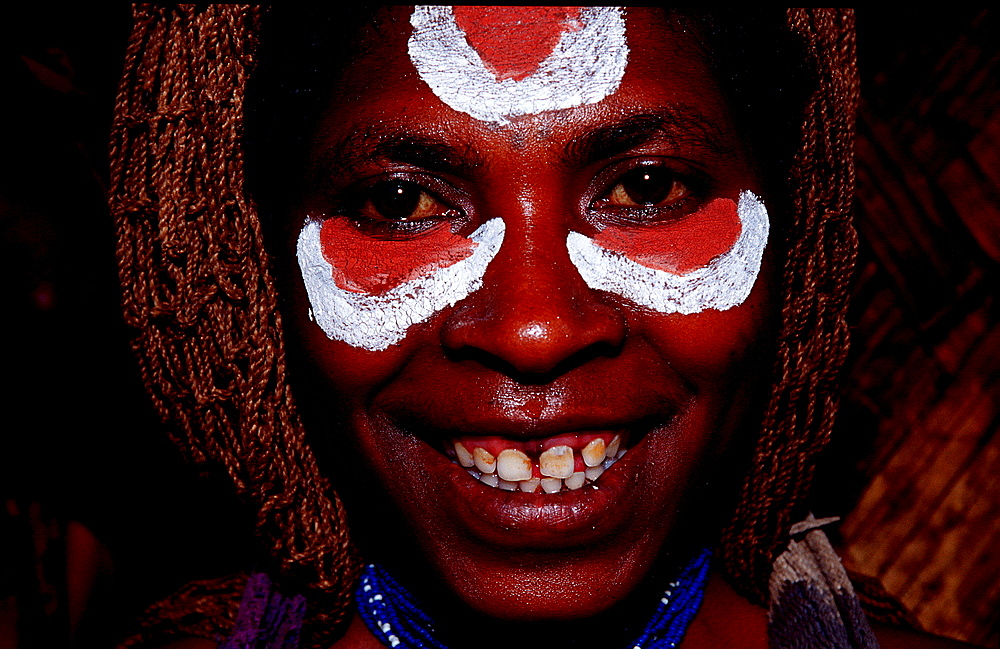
(676, 283)
(495, 65)
(368, 313)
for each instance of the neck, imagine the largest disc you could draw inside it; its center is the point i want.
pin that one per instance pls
(726, 619)
(656, 616)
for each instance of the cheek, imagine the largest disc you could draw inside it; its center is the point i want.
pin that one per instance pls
(679, 247)
(713, 347)
(368, 293)
(365, 265)
(709, 260)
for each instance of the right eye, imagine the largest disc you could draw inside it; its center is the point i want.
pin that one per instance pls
(400, 202)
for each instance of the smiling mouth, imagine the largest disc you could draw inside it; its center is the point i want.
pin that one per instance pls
(565, 462)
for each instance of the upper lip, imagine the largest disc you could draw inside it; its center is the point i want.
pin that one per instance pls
(465, 425)
(488, 409)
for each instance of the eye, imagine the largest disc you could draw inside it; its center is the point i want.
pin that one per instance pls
(647, 186)
(400, 201)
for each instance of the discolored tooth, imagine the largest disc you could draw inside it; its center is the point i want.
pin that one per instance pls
(529, 486)
(557, 462)
(513, 465)
(551, 485)
(491, 479)
(576, 480)
(464, 456)
(594, 472)
(484, 460)
(593, 453)
(507, 485)
(612, 449)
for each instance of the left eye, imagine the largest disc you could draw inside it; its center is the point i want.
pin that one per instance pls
(647, 186)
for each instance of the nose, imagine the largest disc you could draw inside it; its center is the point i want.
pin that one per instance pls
(534, 315)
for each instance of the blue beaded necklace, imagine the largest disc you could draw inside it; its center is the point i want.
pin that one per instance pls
(395, 618)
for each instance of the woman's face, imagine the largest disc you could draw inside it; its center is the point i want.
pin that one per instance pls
(498, 301)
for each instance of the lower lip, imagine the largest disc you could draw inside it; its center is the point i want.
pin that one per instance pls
(514, 519)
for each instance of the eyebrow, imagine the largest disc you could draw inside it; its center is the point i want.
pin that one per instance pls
(683, 127)
(425, 151)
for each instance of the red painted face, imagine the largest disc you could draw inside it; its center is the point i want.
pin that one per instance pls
(535, 372)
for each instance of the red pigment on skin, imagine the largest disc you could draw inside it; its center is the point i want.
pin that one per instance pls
(366, 265)
(513, 41)
(680, 246)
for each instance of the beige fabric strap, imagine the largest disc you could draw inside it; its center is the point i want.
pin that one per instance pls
(813, 604)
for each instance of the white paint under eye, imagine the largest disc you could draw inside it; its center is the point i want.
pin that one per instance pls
(374, 322)
(725, 282)
(586, 66)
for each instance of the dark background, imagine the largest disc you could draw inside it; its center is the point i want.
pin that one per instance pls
(84, 464)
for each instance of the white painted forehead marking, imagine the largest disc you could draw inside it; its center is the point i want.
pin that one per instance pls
(586, 66)
(374, 322)
(723, 283)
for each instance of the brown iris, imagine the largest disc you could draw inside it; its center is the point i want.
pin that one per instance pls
(401, 201)
(647, 186)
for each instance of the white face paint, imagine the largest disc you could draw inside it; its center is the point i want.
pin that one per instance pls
(723, 283)
(586, 65)
(376, 321)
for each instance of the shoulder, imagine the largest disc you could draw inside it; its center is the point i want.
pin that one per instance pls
(187, 619)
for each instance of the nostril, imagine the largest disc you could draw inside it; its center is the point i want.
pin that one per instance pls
(535, 349)
(537, 373)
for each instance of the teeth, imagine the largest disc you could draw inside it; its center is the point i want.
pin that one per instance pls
(576, 480)
(612, 450)
(529, 486)
(557, 462)
(507, 485)
(464, 457)
(551, 485)
(484, 460)
(593, 453)
(513, 470)
(513, 465)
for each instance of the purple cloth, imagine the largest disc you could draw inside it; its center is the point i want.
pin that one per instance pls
(267, 619)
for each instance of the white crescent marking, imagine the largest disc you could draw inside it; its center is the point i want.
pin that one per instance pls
(374, 322)
(586, 66)
(723, 283)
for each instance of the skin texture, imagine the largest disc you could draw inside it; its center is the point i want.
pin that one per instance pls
(535, 352)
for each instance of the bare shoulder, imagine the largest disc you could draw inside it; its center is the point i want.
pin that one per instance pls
(895, 638)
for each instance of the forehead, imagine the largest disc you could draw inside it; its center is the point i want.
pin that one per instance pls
(665, 67)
